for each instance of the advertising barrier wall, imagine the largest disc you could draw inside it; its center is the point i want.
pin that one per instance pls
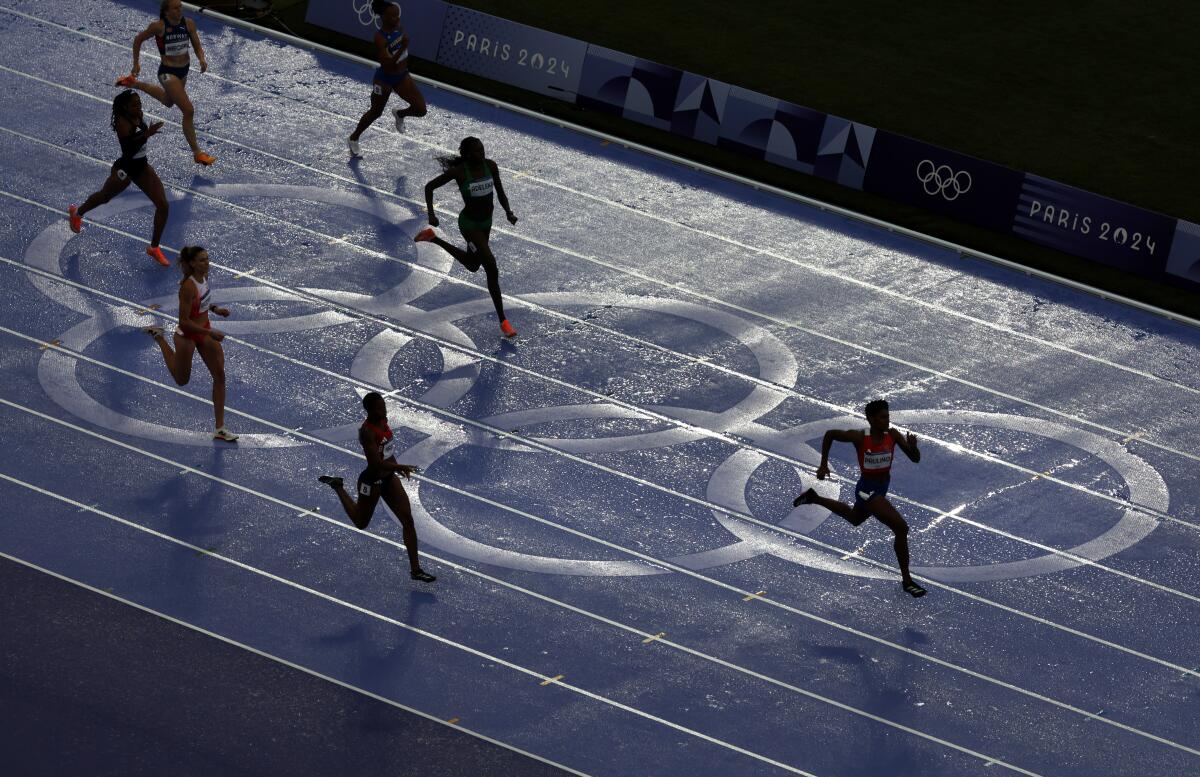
(512, 53)
(960, 186)
(856, 155)
(1094, 227)
(422, 20)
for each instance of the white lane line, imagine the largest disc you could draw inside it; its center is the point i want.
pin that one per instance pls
(653, 280)
(645, 557)
(548, 448)
(726, 436)
(731, 438)
(291, 665)
(817, 269)
(416, 630)
(693, 652)
(832, 548)
(1174, 450)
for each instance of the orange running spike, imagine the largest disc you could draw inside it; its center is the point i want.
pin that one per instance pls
(155, 253)
(507, 329)
(204, 159)
(75, 219)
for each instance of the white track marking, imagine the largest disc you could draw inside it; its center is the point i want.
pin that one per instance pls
(421, 632)
(616, 624)
(287, 663)
(642, 556)
(664, 284)
(527, 441)
(668, 221)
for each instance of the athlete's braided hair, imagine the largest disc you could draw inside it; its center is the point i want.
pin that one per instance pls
(120, 106)
(874, 407)
(454, 161)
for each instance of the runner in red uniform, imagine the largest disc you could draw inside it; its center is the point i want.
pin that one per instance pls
(195, 333)
(876, 447)
(379, 479)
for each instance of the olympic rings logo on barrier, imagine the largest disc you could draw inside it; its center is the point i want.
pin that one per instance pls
(727, 485)
(366, 16)
(941, 179)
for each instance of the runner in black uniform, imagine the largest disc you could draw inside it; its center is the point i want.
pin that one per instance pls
(133, 167)
(477, 177)
(173, 34)
(379, 479)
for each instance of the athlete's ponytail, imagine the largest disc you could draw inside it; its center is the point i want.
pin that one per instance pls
(454, 161)
(186, 255)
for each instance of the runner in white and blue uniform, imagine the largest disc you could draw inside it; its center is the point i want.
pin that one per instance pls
(391, 49)
(175, 35)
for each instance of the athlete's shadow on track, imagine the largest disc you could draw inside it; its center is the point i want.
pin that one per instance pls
(388, 666)
(390, 232)
(883, 753)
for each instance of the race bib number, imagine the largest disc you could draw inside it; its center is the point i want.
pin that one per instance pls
(877, 459)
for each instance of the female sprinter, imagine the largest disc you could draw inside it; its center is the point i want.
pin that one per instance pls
(132, 167)
(173, 33)
(876, 447)
(477, 177)
(379, 479)
(391, 49)
(196, 334)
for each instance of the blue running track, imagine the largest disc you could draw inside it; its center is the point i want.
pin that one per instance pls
(623, 586)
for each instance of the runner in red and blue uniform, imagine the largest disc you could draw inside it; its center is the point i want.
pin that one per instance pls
(195, 333)
(173, 34)
(379, 479)
(876, 447)
(391, 49)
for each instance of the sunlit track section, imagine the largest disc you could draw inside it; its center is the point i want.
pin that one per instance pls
(641, 213)
(530, 302)
(687, 291)
(640, 633)
(1140, 507)
(582, 692)
(1133, 531)
(274, 658)
(661, 564)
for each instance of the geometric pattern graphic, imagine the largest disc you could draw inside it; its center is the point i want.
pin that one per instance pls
(1184, 260)
(772, 130)
(623, 85)
(699, 107)
(844, 151)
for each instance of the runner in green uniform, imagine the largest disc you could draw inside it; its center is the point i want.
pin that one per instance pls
(477, 178)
